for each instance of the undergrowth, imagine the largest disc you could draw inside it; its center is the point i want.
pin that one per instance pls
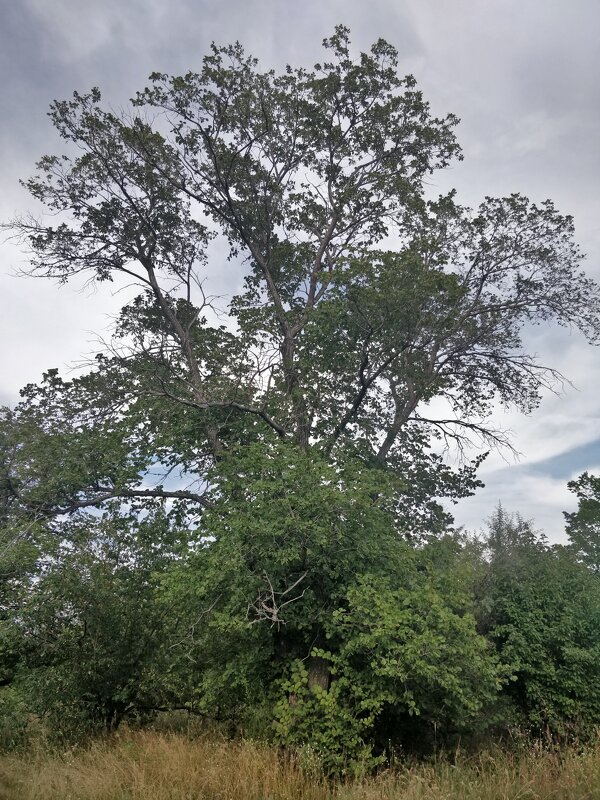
(155, 765)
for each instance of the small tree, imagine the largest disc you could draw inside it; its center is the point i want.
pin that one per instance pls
(583, 525)
(541, 610)
(95, 628)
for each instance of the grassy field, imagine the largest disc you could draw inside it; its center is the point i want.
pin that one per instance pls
(153, 766)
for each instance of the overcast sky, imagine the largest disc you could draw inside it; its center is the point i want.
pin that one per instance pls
(523, 76)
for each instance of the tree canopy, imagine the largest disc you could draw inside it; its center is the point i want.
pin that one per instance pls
(359, 298)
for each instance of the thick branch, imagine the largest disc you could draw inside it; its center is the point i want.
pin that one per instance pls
(125, 494)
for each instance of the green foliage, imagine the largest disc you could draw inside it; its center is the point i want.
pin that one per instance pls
(278, 546)
(583, 526)
(92, 628)
(15, 728)
(335, 723)
(405, 666)
(411, 649)
(542, 610)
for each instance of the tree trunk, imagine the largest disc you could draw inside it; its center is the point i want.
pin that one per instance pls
(294, 392)
(319, 673)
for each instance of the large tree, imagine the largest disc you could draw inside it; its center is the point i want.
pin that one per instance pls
(362, 299)
(290, 424)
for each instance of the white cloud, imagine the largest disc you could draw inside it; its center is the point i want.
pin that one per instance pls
(534, 496)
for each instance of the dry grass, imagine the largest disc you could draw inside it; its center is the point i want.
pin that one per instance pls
(153, 766)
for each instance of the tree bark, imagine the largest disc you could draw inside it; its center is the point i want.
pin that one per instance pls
(319, 673)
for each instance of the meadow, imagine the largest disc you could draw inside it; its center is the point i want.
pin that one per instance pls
(154, 765)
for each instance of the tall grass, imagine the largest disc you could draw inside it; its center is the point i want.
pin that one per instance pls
(155, 766)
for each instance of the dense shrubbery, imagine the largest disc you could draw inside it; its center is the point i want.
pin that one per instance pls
(408, 649)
